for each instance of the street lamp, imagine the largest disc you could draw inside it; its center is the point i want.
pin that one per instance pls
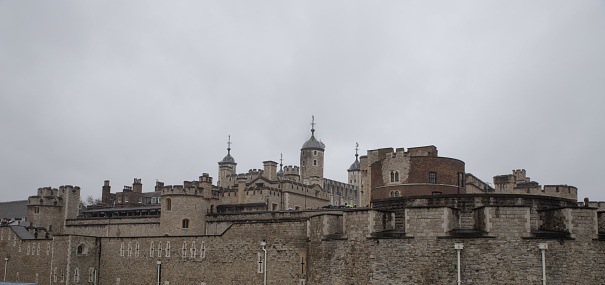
(264, 245)
(159, 263)
(5, 265)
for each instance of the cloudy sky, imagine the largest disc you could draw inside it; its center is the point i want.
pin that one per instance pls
(96, 90)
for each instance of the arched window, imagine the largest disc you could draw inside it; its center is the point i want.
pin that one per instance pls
(185, 224)
(397, 194)
(396, 176)
(168, 204)
(392, 176)
(392, 194)
(80, 250)
(314, 162)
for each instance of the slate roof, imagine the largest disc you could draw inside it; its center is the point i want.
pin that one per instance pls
(14, 209)
(22, 232)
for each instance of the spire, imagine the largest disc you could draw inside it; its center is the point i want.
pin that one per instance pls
(356, 165)
(281, 164)
(228, 159)
(312, 125)
(313, 143)
(229, 145)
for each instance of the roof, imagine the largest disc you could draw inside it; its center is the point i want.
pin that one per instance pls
(313, 143)
(228, 159)
(22, 232)
(355, 166)
(14, 209)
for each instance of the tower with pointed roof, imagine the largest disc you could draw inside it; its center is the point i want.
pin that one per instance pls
(226, 168)
(355, 173)
(312, 158)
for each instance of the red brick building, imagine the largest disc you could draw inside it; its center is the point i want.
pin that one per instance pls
(417, 171)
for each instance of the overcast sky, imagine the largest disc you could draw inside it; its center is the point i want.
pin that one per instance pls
(113, 90)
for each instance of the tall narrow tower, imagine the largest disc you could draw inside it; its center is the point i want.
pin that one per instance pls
(312, 157)
(355, 174)
(226, 168)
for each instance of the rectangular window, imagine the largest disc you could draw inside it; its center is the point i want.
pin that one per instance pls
(126, 199)
(117, 281)
(203, 250)
(151, 248)
(259, 269)
(122, 249)
(136, 250)
(433, 177)
(129, 249)
(193, 250)
(140, 200)
(167, 249)
(119, 201)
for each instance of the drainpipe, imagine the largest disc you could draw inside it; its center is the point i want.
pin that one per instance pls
(5, 265)
(543, 247)
(159, 262)
(459, 247)
(264, 244)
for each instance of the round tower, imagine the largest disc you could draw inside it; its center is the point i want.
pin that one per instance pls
(312, 158)
(226, 168)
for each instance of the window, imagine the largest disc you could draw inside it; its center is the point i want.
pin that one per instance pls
(76, 275)
(119, 199)
(126, 199)
(203, 250)
(394, 176)
(315, 162)
(91, 274)
(184, 249)
(129, 249)
(314, 152)
(433, 177)
(397, 194)
(36, 210)
(136, 250)
(122, 249)
(151, 248)
(140, 200)
(55, 275)
(168, 204)
(460, 179)
(117, 281)
(80, 250)
(436, 193)
(159, 249)
(392, 194)
(167, 249)
(303, 163)
(260, 263)
(193, 250)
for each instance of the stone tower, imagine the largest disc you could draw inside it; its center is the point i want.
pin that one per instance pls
(226, 167)
(51, 207)
(355, 173)
(184, 208)
(312, 158)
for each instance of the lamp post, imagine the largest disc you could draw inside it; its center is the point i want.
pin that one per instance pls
(159, 263)
(459, 247)
(5, 265)
(264, 245)
(543, 247)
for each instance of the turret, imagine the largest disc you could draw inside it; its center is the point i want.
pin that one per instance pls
(312, 157)
(355, 173)
(226, 167)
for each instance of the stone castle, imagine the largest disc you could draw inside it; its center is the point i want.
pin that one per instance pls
(405, 216)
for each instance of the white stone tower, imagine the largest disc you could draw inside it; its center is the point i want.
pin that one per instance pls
(312, 158)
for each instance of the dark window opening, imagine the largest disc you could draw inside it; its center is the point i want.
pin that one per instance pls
(433, 177)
